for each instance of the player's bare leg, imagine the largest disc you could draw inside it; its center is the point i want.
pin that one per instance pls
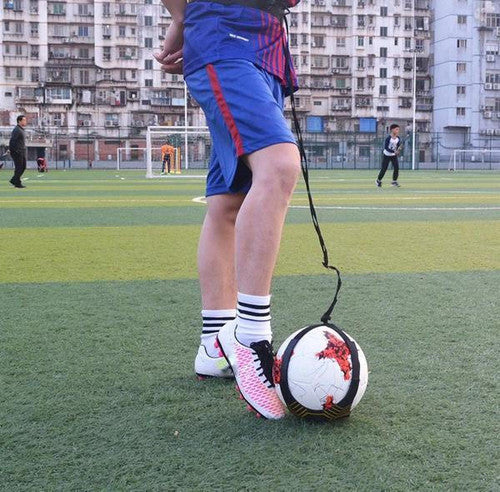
(259, 225)
(217, 275)
(245, 342)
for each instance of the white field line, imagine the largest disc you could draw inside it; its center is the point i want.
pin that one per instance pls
(202, 199)
(199, 199)
(465, 209)
(86, 200)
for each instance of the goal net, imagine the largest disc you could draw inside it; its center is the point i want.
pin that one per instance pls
(470, 159)
(193, 146)
(135, 158)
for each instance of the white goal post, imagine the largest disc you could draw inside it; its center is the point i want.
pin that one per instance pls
(193, 143)
(470, 159)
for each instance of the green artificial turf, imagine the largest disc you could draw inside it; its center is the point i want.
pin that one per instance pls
(99, 324)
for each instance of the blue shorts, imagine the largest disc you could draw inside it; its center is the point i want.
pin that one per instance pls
(243, 105)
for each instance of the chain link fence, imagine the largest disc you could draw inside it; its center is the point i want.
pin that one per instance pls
(97, 148)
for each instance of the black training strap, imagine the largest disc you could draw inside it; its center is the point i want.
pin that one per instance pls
(305, 172)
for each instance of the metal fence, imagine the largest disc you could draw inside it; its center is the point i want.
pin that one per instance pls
(82, 148)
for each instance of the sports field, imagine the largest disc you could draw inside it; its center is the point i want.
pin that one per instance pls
(99, 324)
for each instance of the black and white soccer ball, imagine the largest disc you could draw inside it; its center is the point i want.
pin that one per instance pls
(320, 372)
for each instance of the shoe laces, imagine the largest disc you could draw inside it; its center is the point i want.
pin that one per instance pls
(265, 355)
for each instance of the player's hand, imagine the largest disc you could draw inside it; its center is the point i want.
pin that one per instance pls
(171, 56)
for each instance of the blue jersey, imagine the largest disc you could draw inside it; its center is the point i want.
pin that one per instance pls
(215, 32)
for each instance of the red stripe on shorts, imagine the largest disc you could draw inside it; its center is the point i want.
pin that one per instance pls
(224, 108)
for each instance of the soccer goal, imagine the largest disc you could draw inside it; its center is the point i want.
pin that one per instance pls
(166, 159)
(470, 159)
(193, 144)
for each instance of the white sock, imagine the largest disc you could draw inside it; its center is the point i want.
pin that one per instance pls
(213, 321)
(254, 319)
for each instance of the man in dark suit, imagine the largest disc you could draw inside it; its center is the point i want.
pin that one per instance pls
(17, 147)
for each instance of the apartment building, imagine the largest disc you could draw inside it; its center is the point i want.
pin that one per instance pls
(466, 72)
(356, 62)
(86, 70)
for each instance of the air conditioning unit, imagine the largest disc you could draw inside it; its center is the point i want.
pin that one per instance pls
(490, 58)
(488, 114)
(490, 131)
(109, 123)
(498, 32)
(488, 87)
(496, 87)
(497, 132)
(498, 116)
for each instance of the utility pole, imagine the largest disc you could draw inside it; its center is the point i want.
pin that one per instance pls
(414, 132)
(186, 161)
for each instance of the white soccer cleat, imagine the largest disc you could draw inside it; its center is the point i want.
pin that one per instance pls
(253, 369)
(211, 367)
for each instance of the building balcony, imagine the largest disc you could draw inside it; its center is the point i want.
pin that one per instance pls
(340, 108)
(424, 107)
(69, 61)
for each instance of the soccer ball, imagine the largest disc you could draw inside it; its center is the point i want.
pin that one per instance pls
(320, 372)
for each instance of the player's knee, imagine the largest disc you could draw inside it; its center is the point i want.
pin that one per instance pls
(224, 209)
(283, 176)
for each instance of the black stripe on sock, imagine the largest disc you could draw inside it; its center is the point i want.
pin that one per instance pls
(208, 332)
(252, 313)
(215, 318)
(254, 306)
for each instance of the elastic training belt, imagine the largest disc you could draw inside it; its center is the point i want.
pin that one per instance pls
(305, 172)
(273, 7)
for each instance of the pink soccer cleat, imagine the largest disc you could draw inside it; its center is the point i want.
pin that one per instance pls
(253, 369)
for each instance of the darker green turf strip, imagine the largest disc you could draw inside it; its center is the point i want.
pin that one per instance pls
(130, 216)
(97, 390)
(107, 216)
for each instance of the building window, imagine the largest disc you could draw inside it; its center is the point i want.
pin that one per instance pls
(148, 20)
(460, 111)
(84, 77)
(83, 31)
(148, 82)
(148, 64)
(148, 42)
(35, 74)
